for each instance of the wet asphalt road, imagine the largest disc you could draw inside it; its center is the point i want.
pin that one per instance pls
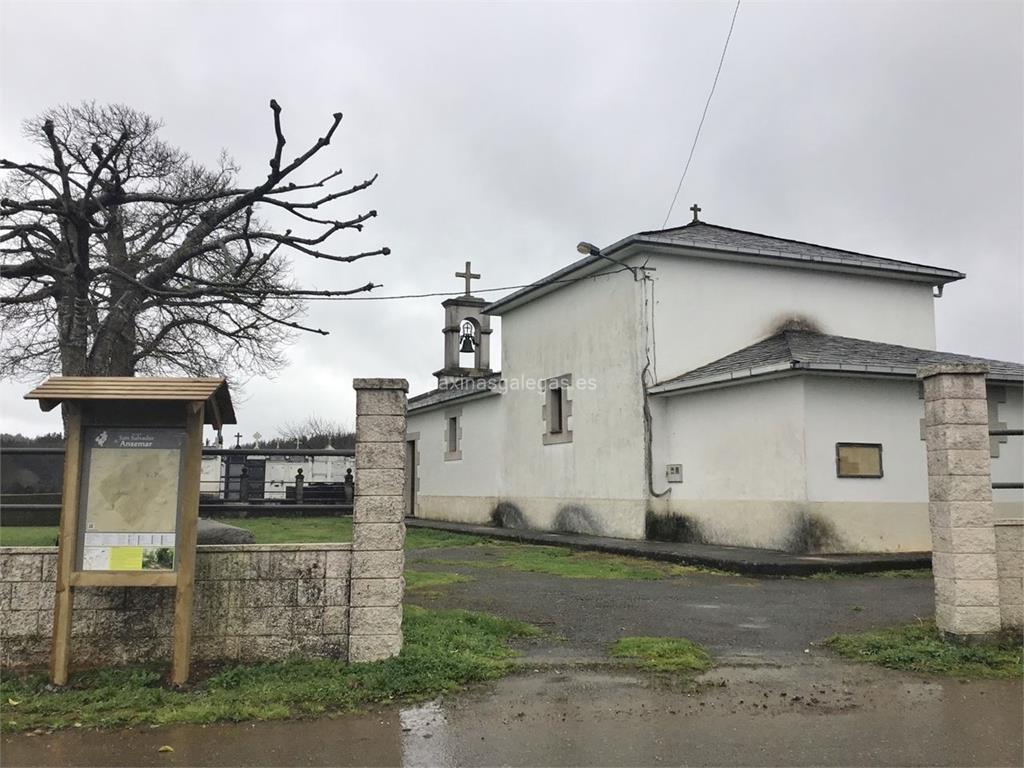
(776, 698)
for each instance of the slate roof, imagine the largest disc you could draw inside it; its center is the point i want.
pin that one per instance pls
(469, 387)
(701, 234)
(806, 350)
(712, 238)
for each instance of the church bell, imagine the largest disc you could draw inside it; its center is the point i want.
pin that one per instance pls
(467, 342)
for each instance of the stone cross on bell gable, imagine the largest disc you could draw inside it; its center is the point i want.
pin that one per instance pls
(469, 274)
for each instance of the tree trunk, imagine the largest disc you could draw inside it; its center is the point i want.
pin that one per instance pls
(113, 350)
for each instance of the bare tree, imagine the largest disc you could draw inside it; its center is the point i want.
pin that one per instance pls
(316, 432)
(120, 255)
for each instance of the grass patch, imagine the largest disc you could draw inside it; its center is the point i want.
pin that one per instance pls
(271, 530)
(569, 564)
(443, 651)
(921, 648)
(663, 654)
(428, 580)
(28, 535)
(292, 530)
(428, 538)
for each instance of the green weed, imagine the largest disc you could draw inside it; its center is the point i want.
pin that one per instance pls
(663, 654)
(429, 580)
(570, 564)
(443, 651)
(920, 647)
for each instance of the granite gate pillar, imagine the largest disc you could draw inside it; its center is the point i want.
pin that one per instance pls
(378, 537)
(960, 499)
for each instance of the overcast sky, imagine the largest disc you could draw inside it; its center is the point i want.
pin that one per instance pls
(507, 133)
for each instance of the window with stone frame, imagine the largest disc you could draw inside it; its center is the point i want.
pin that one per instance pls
(557, 409)
(453, 434)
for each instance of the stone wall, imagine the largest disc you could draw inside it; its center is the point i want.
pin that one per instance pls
(252, 603)
(1010, 566)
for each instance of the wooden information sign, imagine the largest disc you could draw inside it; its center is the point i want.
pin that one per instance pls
(130, 505)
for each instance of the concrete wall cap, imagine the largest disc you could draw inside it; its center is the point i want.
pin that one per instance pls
(401, 384)
(938, 369)
(1009, 521)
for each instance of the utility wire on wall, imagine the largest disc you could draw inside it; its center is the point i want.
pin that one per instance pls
(704, 115)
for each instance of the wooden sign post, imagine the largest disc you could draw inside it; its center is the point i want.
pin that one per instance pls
(130, 507)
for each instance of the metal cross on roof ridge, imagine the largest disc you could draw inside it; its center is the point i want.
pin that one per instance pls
(469, 274)
(696, 209)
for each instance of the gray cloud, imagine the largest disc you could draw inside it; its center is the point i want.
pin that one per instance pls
(506, 133)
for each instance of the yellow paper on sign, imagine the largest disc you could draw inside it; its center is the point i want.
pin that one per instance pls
(126, 558)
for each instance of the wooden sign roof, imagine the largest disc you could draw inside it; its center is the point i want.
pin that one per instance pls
(213, 392)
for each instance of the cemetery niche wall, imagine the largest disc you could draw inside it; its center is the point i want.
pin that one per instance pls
(252, 602)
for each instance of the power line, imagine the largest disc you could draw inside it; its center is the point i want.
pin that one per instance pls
(704, 115)
(460, 293)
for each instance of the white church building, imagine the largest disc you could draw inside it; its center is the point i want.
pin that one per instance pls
(700, 384)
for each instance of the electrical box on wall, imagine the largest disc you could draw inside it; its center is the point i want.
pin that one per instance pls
(674, 473)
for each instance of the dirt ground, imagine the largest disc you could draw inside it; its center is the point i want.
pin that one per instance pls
(775, 698)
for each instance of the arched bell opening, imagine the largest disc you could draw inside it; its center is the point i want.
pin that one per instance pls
(469, 343)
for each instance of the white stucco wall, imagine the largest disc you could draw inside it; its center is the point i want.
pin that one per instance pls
(742, 442)
(856, 410)
(759, 456)
(706, 309)
(462, 490)
(592, 330)
(869, 514)
(742, 451)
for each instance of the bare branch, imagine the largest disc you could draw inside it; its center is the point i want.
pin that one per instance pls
(119, 254)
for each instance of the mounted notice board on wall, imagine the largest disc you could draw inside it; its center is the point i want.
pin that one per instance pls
(130, 503)
(130, 500)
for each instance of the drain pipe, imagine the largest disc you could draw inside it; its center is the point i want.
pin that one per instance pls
(648, 420)
(648, 441)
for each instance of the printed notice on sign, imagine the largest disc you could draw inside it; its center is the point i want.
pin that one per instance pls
(131, 480)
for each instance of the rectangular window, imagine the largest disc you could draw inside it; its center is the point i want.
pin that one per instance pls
(453, 435)
(859, 460)
(556, 410)
(555, 422)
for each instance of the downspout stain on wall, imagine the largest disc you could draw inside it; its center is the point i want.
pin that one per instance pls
(507, 515)
(681, 528)
(576, 518)
(811, 533)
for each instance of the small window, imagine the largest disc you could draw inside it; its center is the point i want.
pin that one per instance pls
(555, 421)
(859, 460)
(453, 435)
(557, 410)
